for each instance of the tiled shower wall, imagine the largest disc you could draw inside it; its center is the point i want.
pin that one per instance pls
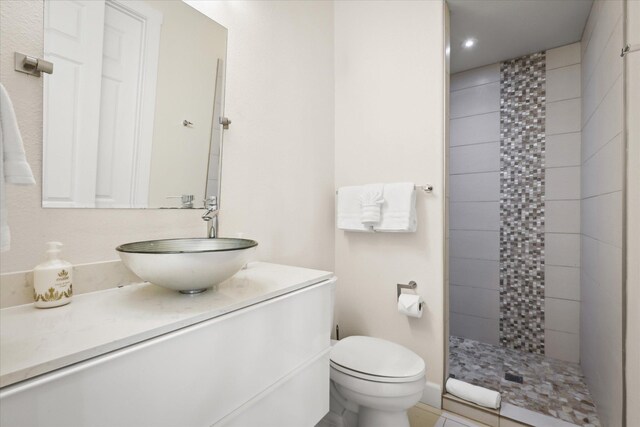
(602, 207)
(522, 187)
(475, 203)
(562, 204)
(474, 216)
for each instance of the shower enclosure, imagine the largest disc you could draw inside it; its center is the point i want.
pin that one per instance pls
(536, 165)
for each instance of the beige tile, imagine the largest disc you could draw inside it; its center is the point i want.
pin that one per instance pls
(563, 56)
(563, 183)
(475, 187)
(608, 70)
(475, 129)
(475, 158)
(603, 173)
(474, 272)
(506, 422)
(563, 83)
(475, 77)
(419, 417)
(602, 218)
(605, 123)
(475, 216)
(562, 249)
(17, 288)
(562, 315)
(474, 244)
(562, 216)
(603, 23)
(563, 150)
(475, 100)
(475, 328)
(474, 301)
(563, 117)
(562, 345)
(562, 282)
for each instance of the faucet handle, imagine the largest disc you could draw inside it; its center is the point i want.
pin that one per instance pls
(185, 199)
(211, 202)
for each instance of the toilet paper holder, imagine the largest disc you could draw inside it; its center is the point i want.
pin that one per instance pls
(412, 285)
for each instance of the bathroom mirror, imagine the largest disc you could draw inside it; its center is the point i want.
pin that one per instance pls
(132, 111)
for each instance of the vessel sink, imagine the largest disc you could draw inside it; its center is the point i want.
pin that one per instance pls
(187, 265)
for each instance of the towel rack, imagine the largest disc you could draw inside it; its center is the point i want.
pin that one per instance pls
(427, 188)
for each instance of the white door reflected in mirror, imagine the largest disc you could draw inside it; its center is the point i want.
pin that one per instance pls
(129, 74)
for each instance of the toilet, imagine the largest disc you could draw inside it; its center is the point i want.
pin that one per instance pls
(374, 382)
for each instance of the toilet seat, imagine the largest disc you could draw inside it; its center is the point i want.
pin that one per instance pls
(374, 359)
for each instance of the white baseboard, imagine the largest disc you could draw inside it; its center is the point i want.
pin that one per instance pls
(432, 395)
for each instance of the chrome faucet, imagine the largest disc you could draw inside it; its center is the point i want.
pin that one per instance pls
(211, 216)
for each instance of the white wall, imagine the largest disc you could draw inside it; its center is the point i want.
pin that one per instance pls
(184, 92)
(633, 214)
(601, 211)
(474, 210)
(389, 127)
(562, 204)
(277, 168)
(280, 98)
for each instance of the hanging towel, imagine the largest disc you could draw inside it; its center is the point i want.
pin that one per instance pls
(14, 168)
(348, 216)
(399, 208)
(371, 204)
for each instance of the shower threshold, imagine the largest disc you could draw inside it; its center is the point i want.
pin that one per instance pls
(550, 387)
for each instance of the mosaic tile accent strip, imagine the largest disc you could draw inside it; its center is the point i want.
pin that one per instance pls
(551, 387)
(522, 186)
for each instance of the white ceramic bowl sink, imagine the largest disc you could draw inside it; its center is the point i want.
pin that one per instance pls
(187, 265)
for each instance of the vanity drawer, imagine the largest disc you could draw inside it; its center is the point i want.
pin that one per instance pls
(191, 377)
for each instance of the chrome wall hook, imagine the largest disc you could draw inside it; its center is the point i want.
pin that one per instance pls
(225, 122)
(31, 65)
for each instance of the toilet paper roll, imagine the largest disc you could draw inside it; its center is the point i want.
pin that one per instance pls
(410, 305)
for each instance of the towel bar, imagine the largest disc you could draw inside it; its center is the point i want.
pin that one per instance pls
(428, 188)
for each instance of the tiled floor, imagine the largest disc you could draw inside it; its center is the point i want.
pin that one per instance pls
(432, 417)
(550, 386)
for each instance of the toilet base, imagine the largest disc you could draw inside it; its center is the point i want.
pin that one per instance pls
(369, 417)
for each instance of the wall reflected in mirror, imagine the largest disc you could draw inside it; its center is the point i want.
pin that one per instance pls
(131, 112)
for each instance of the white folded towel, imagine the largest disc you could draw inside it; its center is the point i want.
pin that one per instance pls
(14, 168)
(473, 393)
(371, 204)
(399, 208)
(349, 212)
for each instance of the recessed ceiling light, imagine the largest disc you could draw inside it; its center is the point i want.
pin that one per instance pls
(469, 43)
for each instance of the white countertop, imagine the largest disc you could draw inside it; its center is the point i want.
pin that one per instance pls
(35, 341)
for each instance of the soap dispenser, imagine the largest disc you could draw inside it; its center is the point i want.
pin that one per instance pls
(52, 280)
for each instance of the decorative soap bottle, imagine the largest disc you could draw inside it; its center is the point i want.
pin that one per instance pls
(52, 279)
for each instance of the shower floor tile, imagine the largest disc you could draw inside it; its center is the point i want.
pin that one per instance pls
(551, 387)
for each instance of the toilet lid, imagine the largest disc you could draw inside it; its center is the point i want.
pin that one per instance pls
(378, 358)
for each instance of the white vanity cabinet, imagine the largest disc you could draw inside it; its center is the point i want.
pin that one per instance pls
(257, 361)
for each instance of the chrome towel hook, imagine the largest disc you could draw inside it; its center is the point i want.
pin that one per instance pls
(31, 65)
